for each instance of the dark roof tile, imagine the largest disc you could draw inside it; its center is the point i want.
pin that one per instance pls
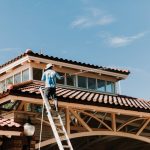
(30, 53)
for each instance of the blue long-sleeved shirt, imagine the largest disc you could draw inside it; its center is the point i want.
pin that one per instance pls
(49, 76)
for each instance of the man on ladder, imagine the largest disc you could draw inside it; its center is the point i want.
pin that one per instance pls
(49, 77)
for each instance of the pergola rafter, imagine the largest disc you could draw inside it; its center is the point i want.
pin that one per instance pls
(109, 127)
(86, 121)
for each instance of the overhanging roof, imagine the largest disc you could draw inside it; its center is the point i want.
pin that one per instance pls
(70, 95)
(30, 53)
(9, 127)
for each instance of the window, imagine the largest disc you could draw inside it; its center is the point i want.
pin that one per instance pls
(110, 87)
(37, 74)
(2, 86)
(101, 85)
(25, 75)
(9, 80)
(61, 81)
(70, 80)
(17, 78)
(82, 82)
(91, 83)
(113, 88)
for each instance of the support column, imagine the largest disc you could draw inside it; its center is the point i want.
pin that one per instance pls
(67, 120)
(113, 121)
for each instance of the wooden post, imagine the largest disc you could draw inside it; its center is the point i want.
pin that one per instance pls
(113, 117)
(67, 120)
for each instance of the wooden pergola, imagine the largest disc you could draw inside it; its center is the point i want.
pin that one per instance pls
(84, 120)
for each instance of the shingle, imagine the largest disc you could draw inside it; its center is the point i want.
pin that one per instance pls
(79, 95)
(8, 123)
(89, 98)
(65, 61)
(68, 94)
(95, 97)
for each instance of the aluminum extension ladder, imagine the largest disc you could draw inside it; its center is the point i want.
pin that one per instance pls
(58, 128)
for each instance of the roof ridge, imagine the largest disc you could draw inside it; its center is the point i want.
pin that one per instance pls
(31, 53)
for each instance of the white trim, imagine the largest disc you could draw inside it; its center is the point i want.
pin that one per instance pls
(118, 75)
(30, 73)
(14, 64)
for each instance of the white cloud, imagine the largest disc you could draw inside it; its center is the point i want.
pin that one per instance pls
(119, 41)
(94, 17)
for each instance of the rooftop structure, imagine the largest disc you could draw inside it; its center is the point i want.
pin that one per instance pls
(88, 99)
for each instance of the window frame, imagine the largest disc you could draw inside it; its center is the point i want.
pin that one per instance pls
(86, 83)
(33, 73)
(28, 75)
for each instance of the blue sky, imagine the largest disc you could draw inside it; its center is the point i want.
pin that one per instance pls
(103, 32)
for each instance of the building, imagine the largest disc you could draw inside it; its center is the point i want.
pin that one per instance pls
(94, 113)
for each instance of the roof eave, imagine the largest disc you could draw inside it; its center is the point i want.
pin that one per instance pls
(119, 76)
(14, 64)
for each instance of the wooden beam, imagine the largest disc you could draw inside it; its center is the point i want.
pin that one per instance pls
(5, 99)
(129, 122)
(81, 129)
(121, 120)
(143, 127)
(67, 121)
(21, 106)
(84, 107)
(96, 133)
(10, 133)
(113, 121)
(99, 120)
(83, 123)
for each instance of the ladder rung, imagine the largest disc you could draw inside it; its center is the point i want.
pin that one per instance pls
(58, 124)
(53, 110)
(56, 118)
(66, 146)
(61, 131)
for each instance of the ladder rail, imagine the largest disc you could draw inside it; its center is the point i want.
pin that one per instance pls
(66, 135)
(47, 105)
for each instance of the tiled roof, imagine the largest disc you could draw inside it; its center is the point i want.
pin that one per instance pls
(8, 123)
(30, 53)
(30, 89)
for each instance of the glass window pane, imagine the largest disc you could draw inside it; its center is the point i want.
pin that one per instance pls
(17, 78)
(91, 83)
(9, 80)
(109, 86)
(82, 82)
(113, 87)
(36, 108)
(2, 86)
(101, 85)
(70, 80)
(25, 75)
(37, 74)
(61, 81)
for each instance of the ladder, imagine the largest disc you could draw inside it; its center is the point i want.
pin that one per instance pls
(56, 125)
